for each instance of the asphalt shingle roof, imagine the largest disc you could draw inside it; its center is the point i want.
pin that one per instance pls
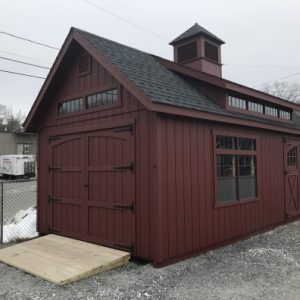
(162, 85)
(195, 30)
(155, 80)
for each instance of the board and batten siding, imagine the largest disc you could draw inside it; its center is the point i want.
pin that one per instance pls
(71, 87)
(188, 219)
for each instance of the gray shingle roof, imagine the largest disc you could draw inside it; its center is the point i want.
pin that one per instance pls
(155, 80)
(195, 30)
(164, 86)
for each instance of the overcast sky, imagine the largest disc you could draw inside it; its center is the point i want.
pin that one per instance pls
(262, 36)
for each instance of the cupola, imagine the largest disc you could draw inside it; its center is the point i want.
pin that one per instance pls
(199, 49)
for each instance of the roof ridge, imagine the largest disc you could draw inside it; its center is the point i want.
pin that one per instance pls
(112, 41)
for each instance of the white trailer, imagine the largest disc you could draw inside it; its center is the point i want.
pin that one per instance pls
(17, 165)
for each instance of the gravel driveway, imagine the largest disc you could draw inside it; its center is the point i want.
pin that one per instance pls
(263, 267)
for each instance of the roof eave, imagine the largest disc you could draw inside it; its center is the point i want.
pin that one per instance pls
(214, 117)
(179, 41)
(28, 126)
(226, 84)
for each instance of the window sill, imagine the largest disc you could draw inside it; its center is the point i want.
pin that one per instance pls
(234, 203)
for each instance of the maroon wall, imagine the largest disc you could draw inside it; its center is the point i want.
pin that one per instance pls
(71, 86)
(187, 217)
(175, 213)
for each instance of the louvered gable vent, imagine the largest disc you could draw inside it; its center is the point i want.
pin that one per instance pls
(84, 64)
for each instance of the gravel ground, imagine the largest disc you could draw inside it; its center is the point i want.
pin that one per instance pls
(263, 267)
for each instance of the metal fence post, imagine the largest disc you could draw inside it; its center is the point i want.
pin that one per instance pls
(1, 215)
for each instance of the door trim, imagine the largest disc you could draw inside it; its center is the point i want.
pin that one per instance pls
(70, 134)
(91, 128)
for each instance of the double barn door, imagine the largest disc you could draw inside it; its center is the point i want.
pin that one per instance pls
(92, 187)
(292, 178)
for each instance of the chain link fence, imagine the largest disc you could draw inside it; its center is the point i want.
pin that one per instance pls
(17, 210)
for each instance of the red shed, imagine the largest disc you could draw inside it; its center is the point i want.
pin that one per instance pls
(165, 159)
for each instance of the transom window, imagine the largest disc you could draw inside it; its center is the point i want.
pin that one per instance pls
(236, 168)
(284, 114)
(105, 98)
(271, 111)
(256, 107)
(70, 106)
(237, 102)
(108, 97)
(234, 143)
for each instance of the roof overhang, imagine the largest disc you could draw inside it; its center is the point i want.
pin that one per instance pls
(229, 120)
(226, 84)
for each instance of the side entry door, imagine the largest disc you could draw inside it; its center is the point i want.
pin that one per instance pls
(292, 188)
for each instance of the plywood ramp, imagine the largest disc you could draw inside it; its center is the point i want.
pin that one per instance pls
(62, 260)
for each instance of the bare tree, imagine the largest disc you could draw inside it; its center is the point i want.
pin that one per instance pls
(10, 121)
(285, 90)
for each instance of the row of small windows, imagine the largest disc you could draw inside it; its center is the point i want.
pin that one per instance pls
(105, 98)
(258, 108)
(70, 106)
(102, 99)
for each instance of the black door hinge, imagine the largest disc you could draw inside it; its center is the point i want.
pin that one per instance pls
(50, 230)
(53, 168)
(125, 128)
(129, 167)
(52, 199)
(129, 248)
(54, 138)
(124, 206)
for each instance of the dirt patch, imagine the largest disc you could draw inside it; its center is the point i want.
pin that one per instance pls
(263, 267)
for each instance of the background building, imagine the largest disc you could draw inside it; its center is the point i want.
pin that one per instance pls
(17, 143)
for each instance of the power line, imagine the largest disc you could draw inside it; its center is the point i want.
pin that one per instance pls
(286, 91)
(17, 55)
(261, 66)
(24, 63)
(281, 78)
(28, 40)
(124, 20)
(22, 74)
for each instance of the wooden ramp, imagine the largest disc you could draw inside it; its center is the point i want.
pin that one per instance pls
(62, 260)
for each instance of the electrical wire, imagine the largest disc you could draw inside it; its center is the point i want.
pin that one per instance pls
(281, 78)
(261, 66)
(21, 56)
(24, 63)
(28, 40)
(286, 91)
(124, 20)
(22, 74)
